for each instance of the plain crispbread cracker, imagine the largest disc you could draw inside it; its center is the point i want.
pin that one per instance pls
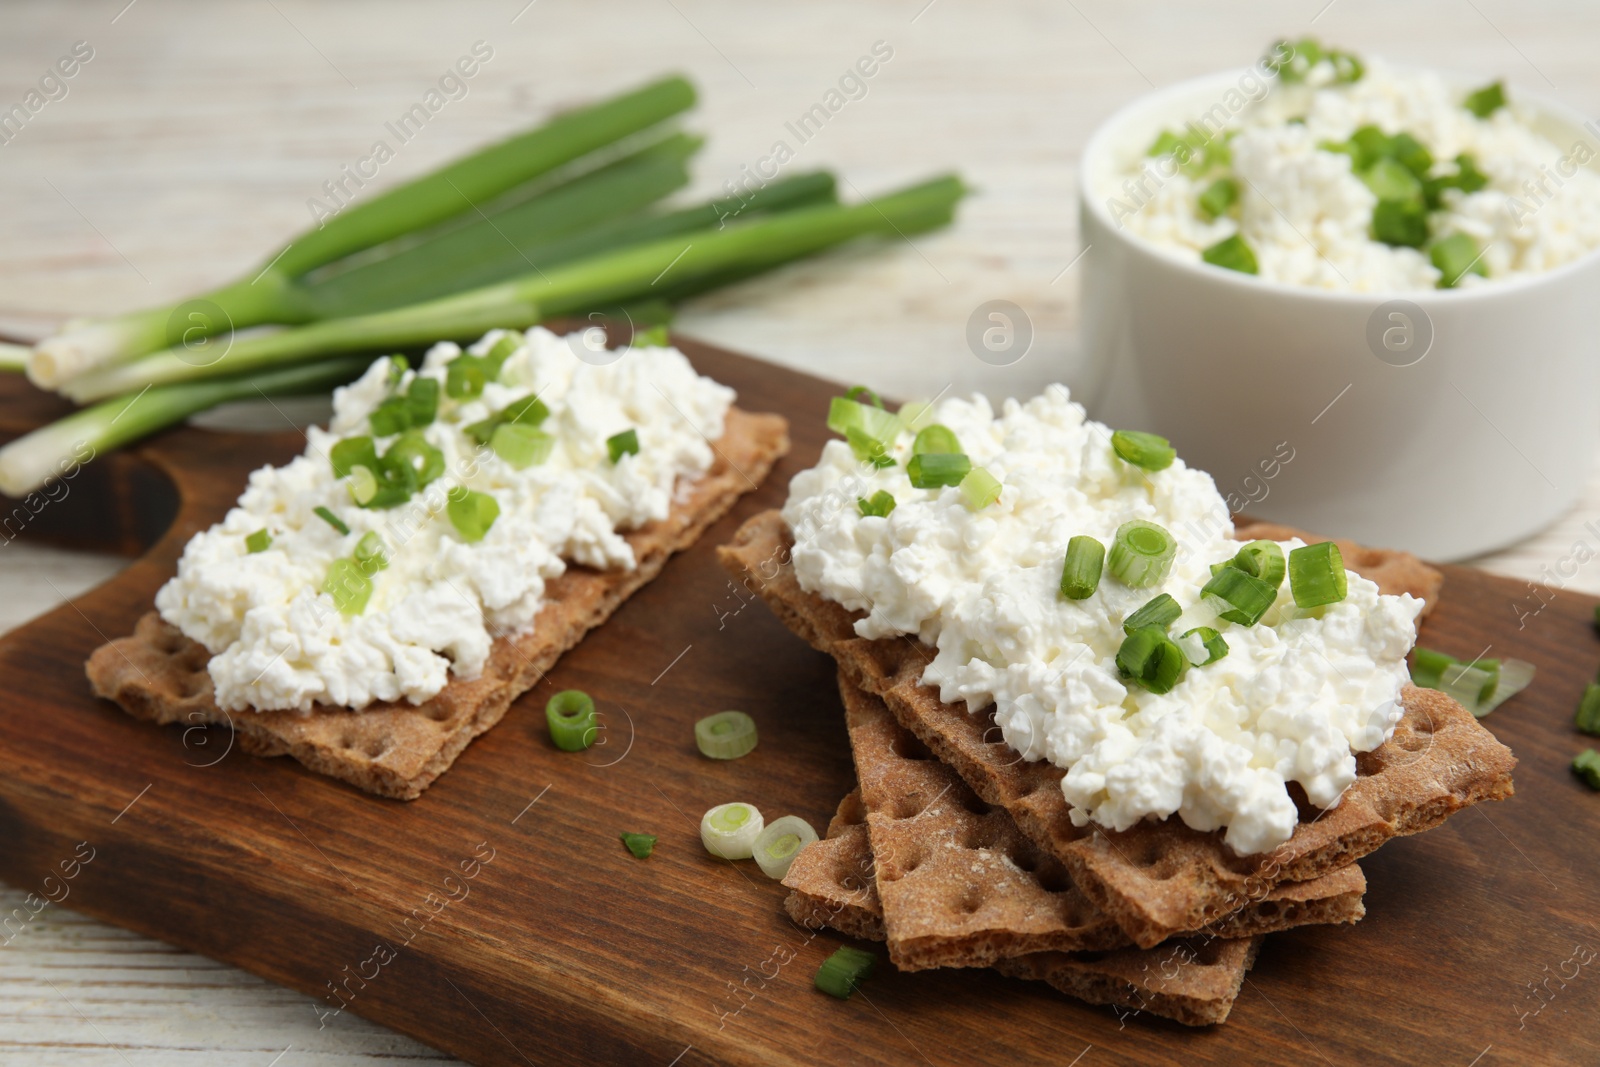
(1155, 879)
(397, 749)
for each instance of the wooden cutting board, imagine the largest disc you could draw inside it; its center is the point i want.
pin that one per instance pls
(499, 918)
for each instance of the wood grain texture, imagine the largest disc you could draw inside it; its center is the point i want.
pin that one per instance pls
(297, 879)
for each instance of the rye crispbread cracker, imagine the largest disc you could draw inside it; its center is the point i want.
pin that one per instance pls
(1155, 879)
(397, 749)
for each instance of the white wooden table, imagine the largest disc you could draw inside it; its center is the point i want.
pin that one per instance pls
(188, 146)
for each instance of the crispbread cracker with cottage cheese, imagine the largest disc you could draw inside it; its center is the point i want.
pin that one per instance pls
(396, 749)
(1157, 878)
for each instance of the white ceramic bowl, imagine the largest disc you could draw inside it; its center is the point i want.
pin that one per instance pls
(1464, 424)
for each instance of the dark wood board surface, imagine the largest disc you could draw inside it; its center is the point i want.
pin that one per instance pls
(1481, 944)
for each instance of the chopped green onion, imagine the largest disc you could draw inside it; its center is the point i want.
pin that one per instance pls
(370, 553)
(1262, 559)
(1588, 717)
(412, 457)
(641, 845)
(349, 585)
(1232, 253)
(1247, 596)
(1218, 197)
(725, 735)
(571, 719)
(1141, 554)
(936, 438)
(1317, 575)
(913, 414)
(856, 392)
(259, 541)
(881, 505)
(868, 449)
(521, 446)
(471, 513)
(1080, 574)
(622, 444)
(843, 971)
(869, 428)
(1211, 641)
(527, 411)
(779, 843)
(1147, 450)
(1455, 257)
(1389, 179)
(979, 489)
(729, 831)
(1479, 686)
(1151, 660)
(363, 485)
(330, 518)
(1471, 686)
(931, 470)
(1401, 223)
(1587, 767)
(353, 452)
(1161, 612)
(415, 409)
(1411, 154)
(1428, 666)
(1486, 101)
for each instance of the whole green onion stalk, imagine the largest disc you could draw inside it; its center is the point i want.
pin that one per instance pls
(268, 294)
(638, 272)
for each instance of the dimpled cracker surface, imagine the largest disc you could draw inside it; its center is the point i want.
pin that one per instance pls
(397, 749)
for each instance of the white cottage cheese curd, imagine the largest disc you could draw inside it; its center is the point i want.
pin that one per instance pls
(1296, 695)
(278, 641)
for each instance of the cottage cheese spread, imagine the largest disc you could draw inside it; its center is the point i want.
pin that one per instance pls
(1294, 697)
(278, 641)
(1307, 216)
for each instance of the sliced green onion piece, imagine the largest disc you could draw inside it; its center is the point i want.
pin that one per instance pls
(779, 843)
(505, 346)
(521, 446)
(868, 449)
(936, 437)
(1160, 612)
(1208, 640)
(349, 585)
(1428, 667)
(1146, 450)
(1232, 253)
(571, 719)
(1151, 660)
(914, 414)
(1218, 197)
(421, 461)
(1587, 767)
(259, 541)
(979, 489)
(725, 735)
(873, 421)
(363, 485)
(1080, 574)
(1401, 223)
(931, 470)
(641, 845)
(465, 376)
(1316, 575)
(881, 505)
(1515, 676)
(729, 831)
(412, 411)
(856, 392)
(1390, 179)
(1246, 596)
(353, 452)
(622, 444)
(1262, 559)
(1141, 554)
(843, 971)
(1455, 257)
(471, 513)
(370, 554)
(330, 518)
(1470, 686)
(1486, 101)
(1588, 717)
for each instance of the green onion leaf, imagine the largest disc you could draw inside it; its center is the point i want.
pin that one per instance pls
(353, 452)
(1456, 256)
(843, 971)
(521, 446)
(725, 735)
(1262, 559)
(1317, 575)
(411, 461)
(979, 489)
(1146, 450)
(1401, 223)
(1151, 660)
(936, 438)
(1588, 717)
(347, 582)
(1232, 253)
(1471, 685)
(330, 518)
(413, 410)
(641, 845)
(622, 444)
(870, 420)
(1080, 574)
(471, 513)
(1587, 767)
(1141, 554)
(779, 843)
(931, 470)
(729, 831)
(1161, 612)
(1217, 198)
(259, 541)
(571, 719)
(856, 392)
(370, 553)
(868, 449)
(1428, 667)
(1486, 101)
(1215, 647)
(363, 486)
(881, 505)
(1247, 596)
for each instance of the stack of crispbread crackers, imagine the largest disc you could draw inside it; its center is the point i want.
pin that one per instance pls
(957, 853)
